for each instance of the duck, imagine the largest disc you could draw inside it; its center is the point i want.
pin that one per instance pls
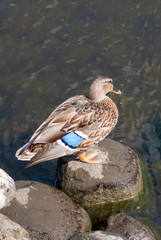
(74, 127)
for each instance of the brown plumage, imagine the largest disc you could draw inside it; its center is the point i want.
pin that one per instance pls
(88, 120)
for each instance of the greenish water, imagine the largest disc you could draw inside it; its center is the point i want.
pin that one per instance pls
(51, 50)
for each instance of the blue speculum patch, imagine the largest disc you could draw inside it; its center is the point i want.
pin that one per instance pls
(72, 139)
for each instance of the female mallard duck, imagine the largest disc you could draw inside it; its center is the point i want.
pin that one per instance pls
(74, 127)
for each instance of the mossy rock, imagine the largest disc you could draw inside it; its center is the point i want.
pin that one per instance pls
(106, 187)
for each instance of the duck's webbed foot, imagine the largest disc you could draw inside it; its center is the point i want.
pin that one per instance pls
(89, 156)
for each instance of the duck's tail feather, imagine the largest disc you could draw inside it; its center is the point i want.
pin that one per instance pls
(28, 151)
(50, 151)
(24, 153)
(40, 152)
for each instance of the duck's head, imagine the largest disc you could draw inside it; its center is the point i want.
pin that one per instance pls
(100, 87)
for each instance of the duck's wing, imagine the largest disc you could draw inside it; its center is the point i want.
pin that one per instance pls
(67, 117)
(48, 131)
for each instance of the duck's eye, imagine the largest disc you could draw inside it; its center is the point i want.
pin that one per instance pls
(110, 81)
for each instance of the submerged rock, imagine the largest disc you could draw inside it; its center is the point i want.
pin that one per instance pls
(106, 187)
(129, 227)
(7, 188)
(98, 235)
(46, 212)
(10, 230)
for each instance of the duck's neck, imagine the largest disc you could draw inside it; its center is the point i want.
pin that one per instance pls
(97, 96)
(96, 92)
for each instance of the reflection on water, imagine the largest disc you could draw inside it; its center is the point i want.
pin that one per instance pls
(51, 50)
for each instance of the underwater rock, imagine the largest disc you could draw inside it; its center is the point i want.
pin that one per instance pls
(46, 212)
(129, 227)
(11, 230)
(98, 235)
(106, 187)
(7, 188)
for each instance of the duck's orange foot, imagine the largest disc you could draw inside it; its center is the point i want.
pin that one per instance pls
(89, 156)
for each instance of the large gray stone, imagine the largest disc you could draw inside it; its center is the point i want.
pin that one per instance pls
(10, 230)
(7, 188)
(98, 235)
(128, 226)
(102, 188)
(46, 212)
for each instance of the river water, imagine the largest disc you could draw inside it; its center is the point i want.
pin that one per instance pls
(51, 50)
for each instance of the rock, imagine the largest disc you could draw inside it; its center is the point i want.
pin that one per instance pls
(7, 188)
(129, 227)
(106, 187)
(98, 235)
(10, 230)
(46, 212)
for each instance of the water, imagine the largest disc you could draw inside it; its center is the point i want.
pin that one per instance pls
(51, 50)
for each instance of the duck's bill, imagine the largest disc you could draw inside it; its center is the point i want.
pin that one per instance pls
(115, 90)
